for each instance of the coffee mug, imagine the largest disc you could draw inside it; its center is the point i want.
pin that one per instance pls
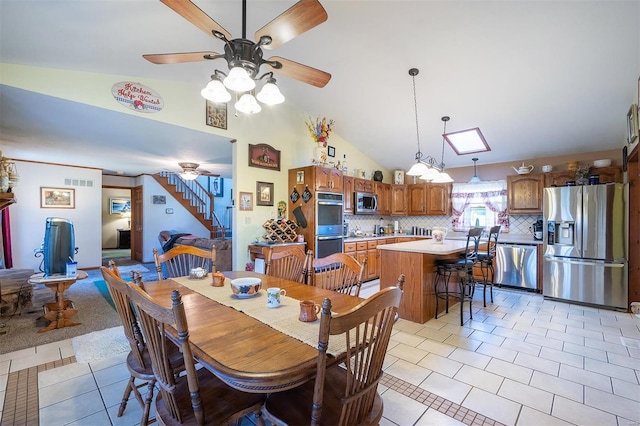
(273, 296)
(309, 311)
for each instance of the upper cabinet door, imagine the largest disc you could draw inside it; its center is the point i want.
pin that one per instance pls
(524, 193)
(439, 199)
(328, 179)
(398, 200)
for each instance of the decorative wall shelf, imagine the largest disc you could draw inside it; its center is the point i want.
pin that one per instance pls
(6, 199)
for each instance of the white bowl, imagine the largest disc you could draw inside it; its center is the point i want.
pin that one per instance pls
(247, 286)
(602, 163)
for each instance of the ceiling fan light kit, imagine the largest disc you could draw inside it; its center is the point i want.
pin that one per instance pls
(245, 57)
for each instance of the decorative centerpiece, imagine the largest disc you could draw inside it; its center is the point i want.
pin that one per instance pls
(320, 129)
(582, 174)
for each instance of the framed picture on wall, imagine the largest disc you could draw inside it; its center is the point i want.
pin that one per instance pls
(246, 201)
(217, 187)
(119, 205)
(216, 114)
(57, 198)
(264, 194)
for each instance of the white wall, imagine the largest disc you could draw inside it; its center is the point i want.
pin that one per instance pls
(28, 218)
(111, 223)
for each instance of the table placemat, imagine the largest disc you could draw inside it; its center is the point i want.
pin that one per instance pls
(283, 318)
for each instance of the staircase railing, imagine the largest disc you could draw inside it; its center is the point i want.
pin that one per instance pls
(197, 196)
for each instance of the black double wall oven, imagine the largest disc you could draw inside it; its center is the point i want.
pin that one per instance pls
(329, 225)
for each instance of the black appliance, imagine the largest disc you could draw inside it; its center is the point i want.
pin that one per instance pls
(58, 247)
(365, 203)
(329, 224)
(536, 229)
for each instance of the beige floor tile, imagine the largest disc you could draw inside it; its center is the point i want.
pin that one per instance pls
(456, 329)
(479, 378)
(433, 334)
(463, 342)
(408, 372)
(544, 341)
(524, 347)
(18, 354)
(476, 325)
(386, 422)
(565, 337)
(530, 417)
(626, 389)
(131, 416)
(585, 377)
(624, 361)
(437, 348)
(562, 357)
(62, 374)
(408, 326)
(613, 347)
(500, 322)
(408, 353)
(493, 406)
(509, 370)
(537, 399)
(388, 360)
(530, 329)
(486, 337)
(27, 361)
(550, 325)
(401, 409)
(446, 387)
(539, 364)
(623, 407)
(71, 388)
(536, 315)
(497, 352)
(71, 409)
(433, 417)
(2, 394)
(407, 339)
(470, 358)
(559, 386)
(439, 364)
(112, 374)
(585, 351)
(622, 373)
(510, 333)
(579, 414)
(98, 419)
(585, 332)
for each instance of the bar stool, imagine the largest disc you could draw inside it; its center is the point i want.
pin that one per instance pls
(486, 263)
(462, 271)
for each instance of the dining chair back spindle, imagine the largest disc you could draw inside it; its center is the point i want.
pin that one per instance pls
(344, 394)
(290, 263)
(138, 361)
(337, 272)
(179, 261)
(197, 397)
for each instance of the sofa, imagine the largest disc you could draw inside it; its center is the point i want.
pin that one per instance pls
(169, 239)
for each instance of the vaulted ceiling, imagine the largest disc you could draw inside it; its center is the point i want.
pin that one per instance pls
(540, 78)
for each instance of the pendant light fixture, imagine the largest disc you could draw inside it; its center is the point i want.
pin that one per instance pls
(427, 167)
(475, 178)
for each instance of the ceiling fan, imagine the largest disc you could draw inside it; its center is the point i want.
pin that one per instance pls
(247, 55)
(190, 171)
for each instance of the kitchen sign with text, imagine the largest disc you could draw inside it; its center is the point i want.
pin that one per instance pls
(137, 96)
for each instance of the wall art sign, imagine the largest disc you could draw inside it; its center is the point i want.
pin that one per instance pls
(264, 156)
(137, 96)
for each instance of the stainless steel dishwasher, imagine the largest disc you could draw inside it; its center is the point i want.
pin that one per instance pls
(517, 265)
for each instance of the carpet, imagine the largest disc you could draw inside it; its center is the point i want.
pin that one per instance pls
(101, 285)
(100, 345)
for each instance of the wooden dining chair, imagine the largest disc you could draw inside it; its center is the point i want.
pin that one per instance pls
(178, 261)
(114, 268)
(290, 263)
(344, 394)
(138, 360)
(197, 397)
(337, 272)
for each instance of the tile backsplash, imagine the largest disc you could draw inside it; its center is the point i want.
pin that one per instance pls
(517, 224)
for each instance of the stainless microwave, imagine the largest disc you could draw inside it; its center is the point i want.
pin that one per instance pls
(365, 203)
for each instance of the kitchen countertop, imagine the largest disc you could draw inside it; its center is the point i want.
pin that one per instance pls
(427, 246)
(506, 238)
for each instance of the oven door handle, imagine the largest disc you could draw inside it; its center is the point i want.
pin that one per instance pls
(330, 237)
(330, 203)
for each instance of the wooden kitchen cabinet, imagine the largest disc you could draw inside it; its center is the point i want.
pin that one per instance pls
(364, 185)
(328, 179)
(383, 191)
(399, 205)
(524, 193)
(371, 271)
(559, 178)
(347, 194)
(430, 199)
(611, 174)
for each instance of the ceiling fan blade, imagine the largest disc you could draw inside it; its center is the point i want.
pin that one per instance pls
(206, 173)
(196, 16)
(299, 18)
(175, 58)
(300, 72)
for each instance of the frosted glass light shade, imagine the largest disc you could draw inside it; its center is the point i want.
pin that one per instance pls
(418, 169)
(270, 95)
(238, 80)
(248, 104)
(216, 92)
(443, 177)
(189, 175)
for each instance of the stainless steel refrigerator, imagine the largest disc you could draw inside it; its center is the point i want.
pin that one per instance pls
(585, 244)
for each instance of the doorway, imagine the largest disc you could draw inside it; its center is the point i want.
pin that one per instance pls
(117, 221)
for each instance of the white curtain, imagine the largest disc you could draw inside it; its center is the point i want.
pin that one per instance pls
(492, 194)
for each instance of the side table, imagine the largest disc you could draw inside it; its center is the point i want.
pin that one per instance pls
(61, 311)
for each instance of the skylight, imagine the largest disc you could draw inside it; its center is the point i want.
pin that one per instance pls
(467, 141)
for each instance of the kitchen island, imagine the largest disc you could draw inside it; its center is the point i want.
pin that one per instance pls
(416, 260)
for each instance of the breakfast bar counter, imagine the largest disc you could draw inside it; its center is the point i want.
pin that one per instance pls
(416, 260)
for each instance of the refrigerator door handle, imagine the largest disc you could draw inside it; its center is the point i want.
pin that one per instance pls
(584, 262)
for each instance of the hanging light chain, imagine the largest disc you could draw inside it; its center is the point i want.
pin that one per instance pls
(413, 72)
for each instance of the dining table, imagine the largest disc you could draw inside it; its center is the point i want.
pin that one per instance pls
(247, 345)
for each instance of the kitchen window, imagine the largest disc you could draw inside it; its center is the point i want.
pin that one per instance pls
(480, 204)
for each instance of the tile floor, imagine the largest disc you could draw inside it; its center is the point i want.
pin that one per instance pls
(522, 360)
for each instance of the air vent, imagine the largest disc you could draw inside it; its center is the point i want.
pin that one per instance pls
(78, 182)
